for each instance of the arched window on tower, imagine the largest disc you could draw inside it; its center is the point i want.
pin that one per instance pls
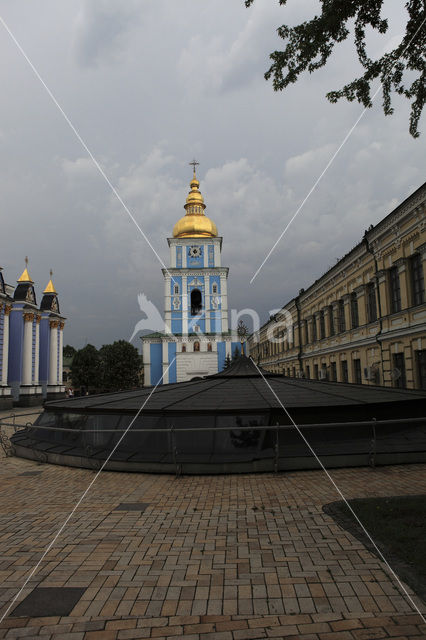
(214, 288)
(183, 348)
(196, 346)
(176, 289)
(196, 305)
(209, 346)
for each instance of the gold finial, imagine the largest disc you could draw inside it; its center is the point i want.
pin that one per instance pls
(50, 288)
(25, 277)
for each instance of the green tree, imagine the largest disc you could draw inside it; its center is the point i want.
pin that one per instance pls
(236, 354)
(309, 45)
(69, 351)
(86, 368)
(121, 365)
(228, 361)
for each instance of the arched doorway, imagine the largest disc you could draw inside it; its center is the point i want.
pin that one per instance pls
(196, 305)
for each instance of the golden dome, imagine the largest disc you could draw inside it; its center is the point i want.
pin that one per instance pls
(194, 223)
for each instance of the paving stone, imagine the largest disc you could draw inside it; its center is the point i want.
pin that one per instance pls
(132, 506)
(31, 473)
(201, 550)
(49, 601)
(132, 634)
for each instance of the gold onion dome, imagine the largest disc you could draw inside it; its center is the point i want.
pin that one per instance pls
(194, 223)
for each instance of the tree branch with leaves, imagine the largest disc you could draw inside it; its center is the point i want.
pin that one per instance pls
(309, 45)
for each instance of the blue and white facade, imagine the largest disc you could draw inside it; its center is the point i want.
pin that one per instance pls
(26, 346)
(51, 345)
(6, 303)
(196, 337)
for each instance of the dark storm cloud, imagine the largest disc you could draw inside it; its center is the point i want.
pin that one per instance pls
(100, 30)
(148, 85)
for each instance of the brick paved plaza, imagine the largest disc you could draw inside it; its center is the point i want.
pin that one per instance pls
(210, 558)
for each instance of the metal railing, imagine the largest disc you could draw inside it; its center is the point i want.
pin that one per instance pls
(11, 421)
(91, 450)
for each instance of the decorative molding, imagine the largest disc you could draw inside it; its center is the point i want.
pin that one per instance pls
(53, 324)
(28, 317)
(7, 309)
(360, 291)
(401, 263)
(212, 271)
(397, 215)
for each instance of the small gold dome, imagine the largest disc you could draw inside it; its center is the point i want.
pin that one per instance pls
(194, 223)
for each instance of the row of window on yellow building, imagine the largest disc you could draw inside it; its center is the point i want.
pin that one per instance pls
(364, 320)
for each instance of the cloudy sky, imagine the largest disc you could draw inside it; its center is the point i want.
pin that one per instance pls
(148, 86)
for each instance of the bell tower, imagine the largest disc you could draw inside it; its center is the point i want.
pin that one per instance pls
(196, 292)
(196, 337)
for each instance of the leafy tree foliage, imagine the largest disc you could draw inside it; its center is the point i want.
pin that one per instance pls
(69, 351)
(309, 45)
(236, 354)
(86, 369)
(121, 364)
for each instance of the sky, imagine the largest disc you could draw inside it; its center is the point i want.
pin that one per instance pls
(147, 86)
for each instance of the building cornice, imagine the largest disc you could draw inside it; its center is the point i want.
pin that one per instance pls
(199, 271)
(188, 242)
(353, 259)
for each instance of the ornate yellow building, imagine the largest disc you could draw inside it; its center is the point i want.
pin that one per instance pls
(364, 320)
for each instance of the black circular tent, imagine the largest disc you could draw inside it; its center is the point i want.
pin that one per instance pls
(232, 421)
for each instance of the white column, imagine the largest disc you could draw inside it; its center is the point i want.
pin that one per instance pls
(165, 352)
(5, 354)
(37, 350)
(53, 353)
(173, 256)
(184, 305)
(61, 355)
(28, 349)
(217, 254)
(146, 358)
(167, 293)
(168, 287)
(224, 303)
(207, 303)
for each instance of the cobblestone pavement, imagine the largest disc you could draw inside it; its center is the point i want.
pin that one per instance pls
(211, 558)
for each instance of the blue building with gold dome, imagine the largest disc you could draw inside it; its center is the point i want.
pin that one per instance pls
(31, 343)
(196, 338)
